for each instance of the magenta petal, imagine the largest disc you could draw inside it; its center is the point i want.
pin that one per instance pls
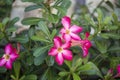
(8, 49)
(67, 55)
(66, 22)
(52, 52)
(75, 36)
(85, 52)
(66, 45)
(88, 44)
(57, 41)
(2, 61)
(75, 29)
(118, 68)
(59, 59)
(87, 34)
(13, 56)
(62, 31)
(8, 64)
(67, 37)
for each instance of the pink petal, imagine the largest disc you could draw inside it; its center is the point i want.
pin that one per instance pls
(8, 49)
(87, 34)
(8, 64)
(66, 45)
(62, 31)
(85, 52)
(52, 52)
(75, 36)
(57, 41)
(67, 37)
(118, 68)
(13, 56)
(76, 29)
(59, 59)
(67, 55)
(2, 61)
(66, 22)
(88, 44)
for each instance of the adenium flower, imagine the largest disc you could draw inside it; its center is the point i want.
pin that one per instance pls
(85, 44)
(60, 51)
(118, 71)
(9, 57)
(69, 32)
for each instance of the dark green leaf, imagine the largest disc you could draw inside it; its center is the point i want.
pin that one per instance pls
(63, 73)
(41, 50)
(110, 4)
(34, 1)
(31, 21)
(53, 33)
(33, 7)
(110, 35)
(17, 69)
(39, 60)
(31, 77)
(3, 70)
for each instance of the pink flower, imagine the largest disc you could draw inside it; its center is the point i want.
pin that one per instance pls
(60, 51)
(118, 68)
(69, 32)
(9, 57)
(85, 44)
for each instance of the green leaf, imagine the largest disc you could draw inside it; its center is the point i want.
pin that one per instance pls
(68, 63)
(90, 69)
(110, 35)
(114, 48)
(44, 76)
(37, 38)
(13, 21)
(41, 50)
(76, 77)
(61, 9)
(33, 7)
(44, 28)
(50, 60)
(100, 15)
(22, 39)
(17, 69)
(3, 70)
(63, 73)
(39, 60)
(53, 33)
(31, 20)
(31, 31)
(34, 1)
(51, 18)
(115, 18)
(107, 20)
(5, 21)
(31, 77)
(30, 60)
(102, 47)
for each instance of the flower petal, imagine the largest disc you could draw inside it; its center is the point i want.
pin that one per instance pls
(62, 31)
(2, 61)
(66, 22)
(13, 56)
(118, 68)
(8, 64)
(66, 45)
(57, 41)
(59, 59)
(88, 44)
(76, 29)
(87, 35)
(67, 55)
(85, 52)
(52, 52)
(66, 37)
(75, 36)
(8, 49)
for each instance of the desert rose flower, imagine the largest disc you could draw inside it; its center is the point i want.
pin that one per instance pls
(9, 57)
(60, 51)
(69, 32)
(85, 44)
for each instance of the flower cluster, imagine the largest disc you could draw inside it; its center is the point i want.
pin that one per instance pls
(69, 37)
(9, 57)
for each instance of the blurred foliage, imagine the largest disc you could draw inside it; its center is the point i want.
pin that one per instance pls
(34, 62)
